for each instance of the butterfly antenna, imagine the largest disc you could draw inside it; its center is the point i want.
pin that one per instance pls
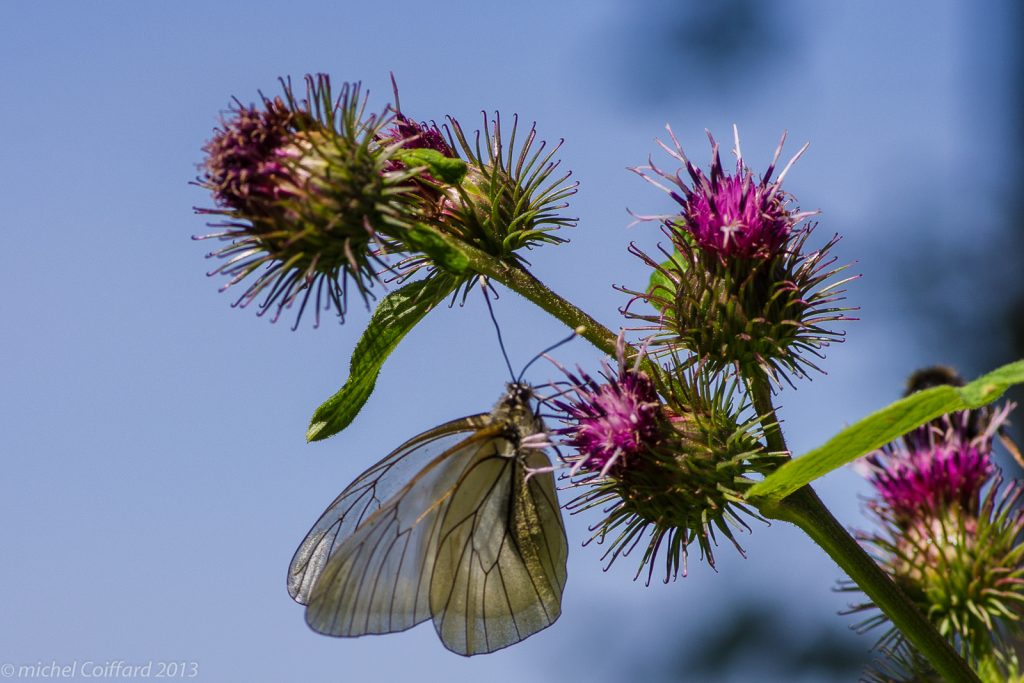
(497, 328)
(575, 333)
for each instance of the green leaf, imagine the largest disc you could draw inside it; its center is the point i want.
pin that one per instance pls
(988, 388)
(660, 281)
(446, 169)
(396, 314)
(442, 252)
(881, 427)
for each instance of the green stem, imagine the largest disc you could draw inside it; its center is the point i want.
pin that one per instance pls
(524, 283)
(804, 509)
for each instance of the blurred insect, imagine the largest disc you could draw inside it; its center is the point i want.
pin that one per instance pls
(938, 375)
(460, 525)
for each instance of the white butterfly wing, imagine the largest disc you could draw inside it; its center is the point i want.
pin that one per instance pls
(500, 568)
(469, 540)
(377, 580)
(364, 496)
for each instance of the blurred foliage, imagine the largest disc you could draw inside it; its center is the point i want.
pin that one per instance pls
(709, 44)
(753, 636)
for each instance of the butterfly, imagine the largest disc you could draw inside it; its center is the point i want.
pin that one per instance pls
(460, 525)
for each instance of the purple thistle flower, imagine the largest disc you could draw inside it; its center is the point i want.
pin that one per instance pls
(943, 463)
(413, 135)
(950, 527)
(731, 215)
(252, 157)
(913, 480)
(610, 422)
(738, 286)
(308, 202)
(662, 456)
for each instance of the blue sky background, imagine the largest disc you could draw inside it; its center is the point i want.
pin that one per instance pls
(156, 481)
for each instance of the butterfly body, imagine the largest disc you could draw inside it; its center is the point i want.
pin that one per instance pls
(447, 527)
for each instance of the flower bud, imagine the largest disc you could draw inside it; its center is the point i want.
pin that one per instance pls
(509, 199)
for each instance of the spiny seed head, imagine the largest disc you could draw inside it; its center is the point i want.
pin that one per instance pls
(771, 315)
(308, 195)
(510, 198)
(738, 286)
(667, 464)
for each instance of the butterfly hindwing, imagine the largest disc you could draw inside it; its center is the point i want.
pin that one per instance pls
(500, 567)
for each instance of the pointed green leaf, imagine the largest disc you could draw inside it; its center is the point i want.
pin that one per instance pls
(988, 388)
(396, 314)
(879, 428)
(441, 251)
(659, 280)
(446, 169)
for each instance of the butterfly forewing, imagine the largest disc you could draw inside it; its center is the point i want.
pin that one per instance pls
(378, 579)
(366, 495)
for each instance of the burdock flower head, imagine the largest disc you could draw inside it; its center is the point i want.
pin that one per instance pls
(950, 528)
(738, 287)
(935, 466)
(310, 195)
(735, 215)
(964, 570)
(669, 463)
(510, 198)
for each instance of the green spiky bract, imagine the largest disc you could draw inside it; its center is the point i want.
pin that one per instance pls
(758, 314)
(688, 486)
(509, 199)
(328, 212)
(963, 570)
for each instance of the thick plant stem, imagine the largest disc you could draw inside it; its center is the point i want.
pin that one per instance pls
(804, 509)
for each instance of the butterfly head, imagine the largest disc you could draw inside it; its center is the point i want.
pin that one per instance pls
(515, 412)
